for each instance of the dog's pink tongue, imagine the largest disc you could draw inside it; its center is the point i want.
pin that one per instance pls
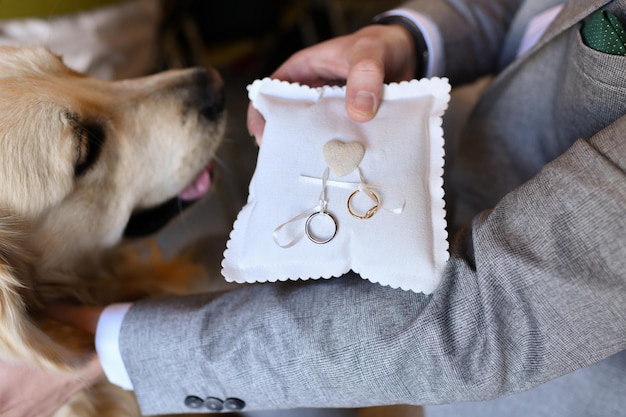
(198, 187)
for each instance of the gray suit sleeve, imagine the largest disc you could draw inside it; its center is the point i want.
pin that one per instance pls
(473, 33)
(533, 290)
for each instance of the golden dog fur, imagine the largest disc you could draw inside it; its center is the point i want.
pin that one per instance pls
(78, 156)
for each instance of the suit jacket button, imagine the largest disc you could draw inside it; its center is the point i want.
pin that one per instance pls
(194, 402)
(214, 404)
(234, 404)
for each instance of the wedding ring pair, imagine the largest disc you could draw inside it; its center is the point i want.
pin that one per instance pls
(328, 223)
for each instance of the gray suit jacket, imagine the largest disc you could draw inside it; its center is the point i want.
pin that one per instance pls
(535, 288)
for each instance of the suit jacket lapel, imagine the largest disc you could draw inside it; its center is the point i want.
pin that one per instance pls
(573, 12)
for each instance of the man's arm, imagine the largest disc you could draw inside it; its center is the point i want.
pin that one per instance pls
(535, 289)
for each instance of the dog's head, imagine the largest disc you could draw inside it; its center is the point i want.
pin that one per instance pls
(79, 155)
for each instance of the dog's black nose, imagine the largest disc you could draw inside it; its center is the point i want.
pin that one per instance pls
(209, 94)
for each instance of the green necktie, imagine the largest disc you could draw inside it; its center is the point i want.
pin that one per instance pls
(603, 32)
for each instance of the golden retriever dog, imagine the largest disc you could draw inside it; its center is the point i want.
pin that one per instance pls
(78, 157)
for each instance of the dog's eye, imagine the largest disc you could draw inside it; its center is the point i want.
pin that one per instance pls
(89, 140)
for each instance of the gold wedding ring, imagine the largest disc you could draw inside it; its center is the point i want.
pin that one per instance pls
(320, 239)
(369, 213)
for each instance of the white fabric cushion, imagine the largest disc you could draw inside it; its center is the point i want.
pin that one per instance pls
(403, 245)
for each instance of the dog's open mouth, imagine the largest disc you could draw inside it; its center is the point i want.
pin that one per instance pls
(199, 186)
(149, 221)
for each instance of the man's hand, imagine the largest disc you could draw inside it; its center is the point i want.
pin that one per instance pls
(363, 60)
(26, 391)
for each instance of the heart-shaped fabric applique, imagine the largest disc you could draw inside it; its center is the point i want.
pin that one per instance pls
(343, 158)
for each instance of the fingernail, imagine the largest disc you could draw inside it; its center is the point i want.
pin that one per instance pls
(364, 102)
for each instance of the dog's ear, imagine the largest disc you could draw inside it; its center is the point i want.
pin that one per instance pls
(20, 339)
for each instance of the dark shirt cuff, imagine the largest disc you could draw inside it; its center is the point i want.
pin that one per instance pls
(418, 37)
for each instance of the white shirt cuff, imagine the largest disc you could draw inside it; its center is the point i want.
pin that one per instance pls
(108, 347)
(432, 37)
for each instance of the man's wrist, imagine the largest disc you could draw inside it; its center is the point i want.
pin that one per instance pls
(421, 50)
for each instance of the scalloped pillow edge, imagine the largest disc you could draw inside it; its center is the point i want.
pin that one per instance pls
(439, 89)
